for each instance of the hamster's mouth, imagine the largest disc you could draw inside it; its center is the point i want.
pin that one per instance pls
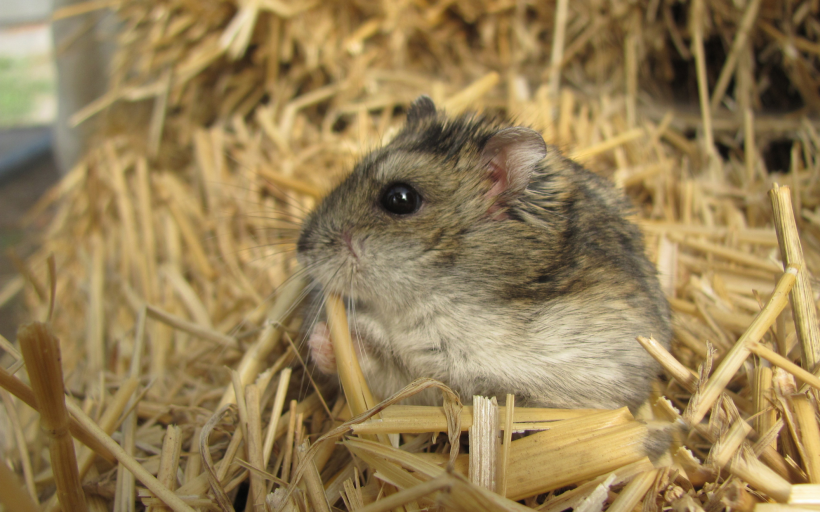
(340, 277)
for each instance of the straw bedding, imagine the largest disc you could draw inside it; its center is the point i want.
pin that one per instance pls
(165, 261)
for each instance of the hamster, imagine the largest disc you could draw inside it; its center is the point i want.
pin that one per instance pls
(470, 251)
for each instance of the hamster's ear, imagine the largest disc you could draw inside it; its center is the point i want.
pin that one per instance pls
(421, 108)
(510, 156)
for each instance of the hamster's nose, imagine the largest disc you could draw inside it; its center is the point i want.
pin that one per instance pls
(348, 240)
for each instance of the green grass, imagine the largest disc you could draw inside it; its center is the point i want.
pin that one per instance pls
(20, 89)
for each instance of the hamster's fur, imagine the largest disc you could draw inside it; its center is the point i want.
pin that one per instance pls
(517, 274)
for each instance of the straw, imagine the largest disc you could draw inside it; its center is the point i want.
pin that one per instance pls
(504, 457)
(41, 351)
(802, 299)
(805, 413)
(169, 461)
(13, 495)
(355, 387)
(734, 359)
(484, 443)
(223, 128)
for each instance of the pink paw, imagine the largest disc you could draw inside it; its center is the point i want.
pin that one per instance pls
(321, 349)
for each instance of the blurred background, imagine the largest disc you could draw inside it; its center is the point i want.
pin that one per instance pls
(28, 107)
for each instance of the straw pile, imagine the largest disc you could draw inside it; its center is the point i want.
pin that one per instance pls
(164, 267)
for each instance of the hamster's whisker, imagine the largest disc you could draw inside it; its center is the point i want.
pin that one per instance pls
(262, 246)
(297, 301)
(270, 256)
(306, 372)
(287, 201)
(357, 338)
(264, 215)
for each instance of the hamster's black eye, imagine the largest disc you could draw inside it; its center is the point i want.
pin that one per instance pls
(400, 199)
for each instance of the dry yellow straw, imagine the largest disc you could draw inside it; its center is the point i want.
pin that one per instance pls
(468, 96)
(350, 373)
(769, 454)
(696, 21)
(254, 446)
(13, 495)
(196, 329)
(804, 412)
(313, 481)
(726, 252)
(20, 440)
(501, 486)
(41, 351)
(703, 401)
(791, 252)
(780, 361)
(678, 371)
(406, 496)
(275, 415)
(556, 56)
(160, 491)
(765, 414)
(17, 388)
(253, 358)
(739, 43)
(484, 442)
(169, 461)
(417, 419)
(805, 494)
(634, 492)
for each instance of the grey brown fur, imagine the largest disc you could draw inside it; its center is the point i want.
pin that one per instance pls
(539, 290)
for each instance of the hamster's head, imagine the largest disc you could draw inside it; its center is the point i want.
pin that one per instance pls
(402, 216)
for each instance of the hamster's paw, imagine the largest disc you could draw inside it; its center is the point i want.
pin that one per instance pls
(321, 349)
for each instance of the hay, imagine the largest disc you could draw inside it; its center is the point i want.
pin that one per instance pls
(173, 244)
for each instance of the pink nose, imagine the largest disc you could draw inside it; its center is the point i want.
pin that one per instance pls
(349, 242)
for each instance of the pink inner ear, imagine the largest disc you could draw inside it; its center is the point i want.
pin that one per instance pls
(510, 156)
(498, 176)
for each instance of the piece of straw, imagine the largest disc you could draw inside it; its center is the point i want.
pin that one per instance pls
(574, 497)
(781, 362)
(20, 441)
(287, 461)
(697, 17)
(802, 299)
(275, 414)
(765, 414)
(12, 494)
(703, 401)
(805, 494)
(41, 351)
(686, 377)
(406, 496)
(738, 44)
(504, 457)
(728, 253)
(806, 416)
(354, 385)
(557, 52)
(254, 357)
(315, 489)
(484, 442)
(254, 447)
(169, 461)
(17, 388)
(197, 329)
(533, 470)
(403, 419)
(634, 492)
(470, 94)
